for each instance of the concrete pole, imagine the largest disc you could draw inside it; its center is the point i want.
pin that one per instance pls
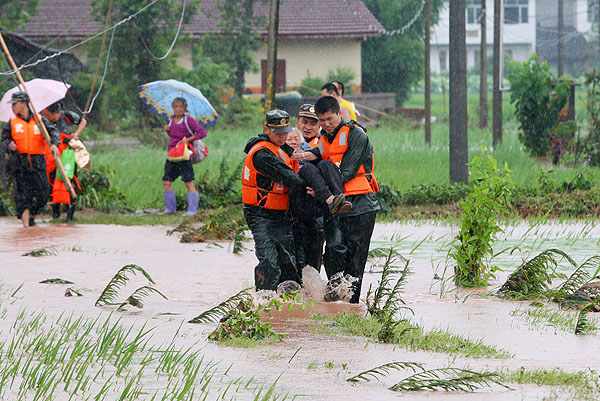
(428, 72)
(497, 96)
(483, 90)
(459, 129)
(272, 55)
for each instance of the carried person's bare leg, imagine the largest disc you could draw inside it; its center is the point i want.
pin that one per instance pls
(25, 218)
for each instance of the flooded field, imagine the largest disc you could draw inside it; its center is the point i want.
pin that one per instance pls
(152, 353)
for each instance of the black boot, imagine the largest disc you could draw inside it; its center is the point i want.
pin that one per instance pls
(56, 210)
(70, 212)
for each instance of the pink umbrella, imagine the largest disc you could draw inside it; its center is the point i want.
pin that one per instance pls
(43, 93)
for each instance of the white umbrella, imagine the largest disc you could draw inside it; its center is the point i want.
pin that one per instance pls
(43, 92)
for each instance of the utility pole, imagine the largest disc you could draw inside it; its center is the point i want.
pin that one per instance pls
(561, 39)
(483, 92)
(459, 129)
(428, 72)
(497, 96)
(272, 55)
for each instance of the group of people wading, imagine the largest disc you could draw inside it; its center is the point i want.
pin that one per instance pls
(324, 191)
(32, 161)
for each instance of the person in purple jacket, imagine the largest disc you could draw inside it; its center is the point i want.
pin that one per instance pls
(181, 128)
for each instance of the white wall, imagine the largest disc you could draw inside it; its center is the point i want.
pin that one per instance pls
(518, 38)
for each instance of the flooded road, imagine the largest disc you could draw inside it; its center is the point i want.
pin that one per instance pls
(305, 365)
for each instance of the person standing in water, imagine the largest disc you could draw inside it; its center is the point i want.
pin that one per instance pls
(181, 128)
(26, 143)
(63, 119)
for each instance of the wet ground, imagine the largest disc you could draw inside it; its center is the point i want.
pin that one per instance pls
(308, 366)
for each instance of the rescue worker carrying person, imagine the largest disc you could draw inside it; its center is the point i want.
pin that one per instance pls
(348, 235)
(267, 175)
(28, 163)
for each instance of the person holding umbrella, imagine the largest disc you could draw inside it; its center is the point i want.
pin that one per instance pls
(24, 140)
(181, 128)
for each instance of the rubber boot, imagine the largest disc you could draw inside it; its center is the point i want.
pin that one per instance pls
(70, 212)
(192, 204)
(56, 210)
(170, 202)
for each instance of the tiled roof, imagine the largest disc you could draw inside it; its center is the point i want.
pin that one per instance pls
(73, 19)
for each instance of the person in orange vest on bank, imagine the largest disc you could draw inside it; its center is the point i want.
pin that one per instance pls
(63, 119)
(28, 165)
(348, 235)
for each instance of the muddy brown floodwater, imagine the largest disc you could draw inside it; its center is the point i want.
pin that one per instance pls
(309, 366)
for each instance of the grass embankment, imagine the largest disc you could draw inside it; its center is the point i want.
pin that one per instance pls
(403, 160)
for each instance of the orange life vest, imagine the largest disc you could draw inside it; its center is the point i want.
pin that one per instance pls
(60, 193)
(277, 197)
(314, 142)
(335, 150)
(27, 136)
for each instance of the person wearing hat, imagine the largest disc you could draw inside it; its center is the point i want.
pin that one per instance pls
(25, 141)
(64, 120)
(348, 236)
(268, 174)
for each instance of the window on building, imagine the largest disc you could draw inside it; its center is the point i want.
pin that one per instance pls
(516, 11)
(443, 61)
(592, 10)
(473, 11)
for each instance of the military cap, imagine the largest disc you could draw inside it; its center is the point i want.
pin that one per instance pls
(19, 97)
(278, 121)
(308, 110)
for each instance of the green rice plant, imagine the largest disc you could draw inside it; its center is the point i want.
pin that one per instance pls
(45, 251)
(533, 277)
(56, 281)
(448, 379)
(583, 325)
(578, 278)
(118, 281)
(135, 299)
(238, 239)
(384, 303)
(213, 314)
(385, 369)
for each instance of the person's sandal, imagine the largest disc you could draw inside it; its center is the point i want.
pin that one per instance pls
(344, 207)
(339, 204)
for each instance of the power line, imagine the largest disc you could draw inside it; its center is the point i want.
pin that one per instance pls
(400, 31)
(123, 21)
(112, 36)
(174, 39)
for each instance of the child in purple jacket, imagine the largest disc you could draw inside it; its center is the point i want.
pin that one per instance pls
(181, 128)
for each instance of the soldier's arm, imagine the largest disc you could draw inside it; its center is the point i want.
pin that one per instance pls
(52, 131)
(6, 136)
(276, 169)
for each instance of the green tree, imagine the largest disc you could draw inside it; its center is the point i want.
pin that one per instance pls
(136, 47)
(15, 13)
(396, 63)
(537, 102)
(238, 36)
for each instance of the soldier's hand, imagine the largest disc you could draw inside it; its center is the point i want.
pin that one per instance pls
(54, 150)
(297, 155)
(310, 191)
(12, 146)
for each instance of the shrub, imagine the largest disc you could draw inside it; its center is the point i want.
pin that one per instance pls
(311, 86)
(489, 197)
(536, 102)
(97, 191)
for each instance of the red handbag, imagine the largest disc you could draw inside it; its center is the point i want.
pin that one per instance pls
(179, 153)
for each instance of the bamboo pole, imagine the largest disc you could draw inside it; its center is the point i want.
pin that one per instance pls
(37, 119)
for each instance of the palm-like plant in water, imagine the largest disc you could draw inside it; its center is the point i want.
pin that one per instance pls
(119, 281)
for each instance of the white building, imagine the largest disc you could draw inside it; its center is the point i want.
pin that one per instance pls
(519, 32)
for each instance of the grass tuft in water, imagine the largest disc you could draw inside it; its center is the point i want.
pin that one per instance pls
(385, 369)
(410, 336)
(56, 281)
(45, 251)
(448, 379)
(119, 280)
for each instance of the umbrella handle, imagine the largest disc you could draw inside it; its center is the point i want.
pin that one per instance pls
(41, 126)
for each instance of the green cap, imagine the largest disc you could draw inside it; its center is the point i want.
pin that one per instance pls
(19, 97)
(307, 110)
(278, 121)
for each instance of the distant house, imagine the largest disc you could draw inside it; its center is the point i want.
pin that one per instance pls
(519, 32)
(530, 26)
(315, 36)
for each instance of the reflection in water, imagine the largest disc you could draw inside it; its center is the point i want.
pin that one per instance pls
(196, 277)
